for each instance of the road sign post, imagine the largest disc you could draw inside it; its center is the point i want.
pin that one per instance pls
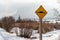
(40, 29)
(41, 12)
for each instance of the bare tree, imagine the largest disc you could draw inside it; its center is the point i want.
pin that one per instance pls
(26, 28)
(6, 22)
(19, 19)
(1, 24)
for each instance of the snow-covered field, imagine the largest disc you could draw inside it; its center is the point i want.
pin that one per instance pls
(53, 35)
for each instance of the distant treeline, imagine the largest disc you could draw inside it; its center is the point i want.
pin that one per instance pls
(8, 23)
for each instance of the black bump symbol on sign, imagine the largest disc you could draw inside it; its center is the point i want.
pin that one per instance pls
(41, 12)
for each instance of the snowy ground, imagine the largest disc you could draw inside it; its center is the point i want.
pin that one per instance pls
(53, 35)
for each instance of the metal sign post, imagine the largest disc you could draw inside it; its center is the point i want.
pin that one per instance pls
(40, 29)
(41, 12)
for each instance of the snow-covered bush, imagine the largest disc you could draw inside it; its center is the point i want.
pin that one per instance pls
(26, 32)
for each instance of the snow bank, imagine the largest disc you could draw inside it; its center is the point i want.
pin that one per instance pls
(8, 36)
(53, 35)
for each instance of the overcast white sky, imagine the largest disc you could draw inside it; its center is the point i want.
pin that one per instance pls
(27, 8)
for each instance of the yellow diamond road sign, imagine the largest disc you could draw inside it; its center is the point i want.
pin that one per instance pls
(41, 12)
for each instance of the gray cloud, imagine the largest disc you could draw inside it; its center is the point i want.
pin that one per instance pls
(25, 10)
